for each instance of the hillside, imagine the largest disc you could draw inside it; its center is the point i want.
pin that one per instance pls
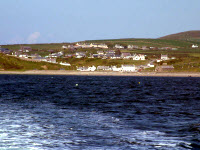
(13, 63)
(146, 42)
(187, 36)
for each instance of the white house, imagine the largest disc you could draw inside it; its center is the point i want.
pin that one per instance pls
(130, 46)
(93, 68)
(104, 68)
(150, 65)
(100, 52)
(119, 46)
(128, 68)
(139, 57)
(103, 46)
(64, 47)
(114, 68)
(195, 46)
(23, 55)
(80, 54)
(164, 57)
(64, 64)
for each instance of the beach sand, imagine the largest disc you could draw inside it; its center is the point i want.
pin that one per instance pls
(102, 73)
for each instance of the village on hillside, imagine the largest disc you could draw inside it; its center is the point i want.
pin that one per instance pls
(102, 51)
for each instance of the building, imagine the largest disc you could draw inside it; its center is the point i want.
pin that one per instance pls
(93, 68)
(114, 68)
(138, 57)
(164, 68)
(128, 68)
(26, 48)
(65, 64)
(64, 46)
(23, 55)
(164, 57)
(130, 47)
(118, 46)
(80, 54)
(5, 50)
(151, 65)
(145, 48)
(104, 68)
(195, 46)
(125, 55)
(103, 46)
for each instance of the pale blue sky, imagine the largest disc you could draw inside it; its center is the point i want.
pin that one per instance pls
(52, 21)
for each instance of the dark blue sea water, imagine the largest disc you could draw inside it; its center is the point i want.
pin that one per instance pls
(96, 113)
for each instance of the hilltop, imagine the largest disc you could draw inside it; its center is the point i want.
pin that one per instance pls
(187, 36)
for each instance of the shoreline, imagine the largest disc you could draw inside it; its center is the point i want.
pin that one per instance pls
(101, 73)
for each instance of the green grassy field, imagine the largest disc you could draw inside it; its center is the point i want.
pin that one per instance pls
(48, 46)
(148, 42)
(13, 63)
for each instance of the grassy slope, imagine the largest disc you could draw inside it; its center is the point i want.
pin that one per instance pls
(12, 63)
(148, 42)
(48, 46)
(187, 36)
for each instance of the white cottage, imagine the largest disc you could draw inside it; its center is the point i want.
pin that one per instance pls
(164, 57)
(139, 57)
(128, 68)
(195, 46)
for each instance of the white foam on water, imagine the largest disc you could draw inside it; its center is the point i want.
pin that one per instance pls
(74, 128)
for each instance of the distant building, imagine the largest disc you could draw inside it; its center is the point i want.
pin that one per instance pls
(5, 50)
(118, 46)
(164, 68)
(104, 68)
(23, 55)
(26, 48)
(103, 46)
(164, 57)
(138, 57)
(114, 68)
(145, 48)
(130, 47)
(93, 68)
(125, 55)
(64, 46)
(195, 46)
(151, 65)
(128, 68)
(65, 64)
(80, 54)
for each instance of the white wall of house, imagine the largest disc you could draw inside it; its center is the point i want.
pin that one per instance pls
(128, 68)
(195, 46)
(164, 57)
(139, 57)
(114, 68)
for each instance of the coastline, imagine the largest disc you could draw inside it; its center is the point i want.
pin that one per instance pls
(101, 73)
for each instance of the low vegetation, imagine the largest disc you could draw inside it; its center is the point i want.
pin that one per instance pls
(13, 63)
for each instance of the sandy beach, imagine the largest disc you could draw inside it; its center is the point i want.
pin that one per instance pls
(100, 73)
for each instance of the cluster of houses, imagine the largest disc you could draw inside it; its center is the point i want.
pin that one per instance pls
(123, 68)
(86, 45)
(111, 54)
(116, 46)
(5, 50)
(127, 68)
(132, 68)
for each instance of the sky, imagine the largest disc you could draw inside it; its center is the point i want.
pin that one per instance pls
(57, 21)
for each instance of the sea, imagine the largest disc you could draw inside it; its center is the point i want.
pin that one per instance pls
(55, 112)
